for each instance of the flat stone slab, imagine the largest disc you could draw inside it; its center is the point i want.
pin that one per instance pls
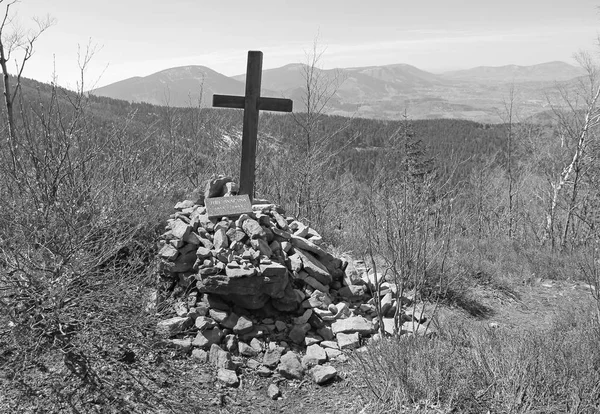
(354, 324)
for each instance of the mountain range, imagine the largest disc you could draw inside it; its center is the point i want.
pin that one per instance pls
(380, 92)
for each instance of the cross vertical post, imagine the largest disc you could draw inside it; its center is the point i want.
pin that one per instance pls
(250, 129)
(252, 103)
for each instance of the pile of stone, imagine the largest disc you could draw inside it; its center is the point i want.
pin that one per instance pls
(259, 291)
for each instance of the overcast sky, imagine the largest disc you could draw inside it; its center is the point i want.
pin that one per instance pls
(140, 37)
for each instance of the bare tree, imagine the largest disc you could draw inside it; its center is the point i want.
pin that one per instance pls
(575, 130)
(21, 43)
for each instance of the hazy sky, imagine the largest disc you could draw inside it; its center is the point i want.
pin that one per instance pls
(140, 37)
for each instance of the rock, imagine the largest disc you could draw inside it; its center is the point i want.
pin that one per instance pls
(231, 343)
(219, 358)
(236, 235)
(203, 323)
(326, 333)
(192, 238)
(353, 293)
(314, 283)
(246, 350)
(203, 252)
(329, 344)
(173, 326)
(275, 279)
(320, 300)
(253, 229)
(386, 303)
(184, 345)
(313, 267)
(312, 339)
(256, 344)
(280, 326)
(243, 325)
(322, 374)
(168, 252)
(180, 308)
(231, 189)
(228, 376)
(215, 186)
(272, 357)
(273, 392)
(180, 229)
(251, 302)
(348, 341)
(308, 362)
(281, 222)
(261, 246)
(290, 300)
(318, 240)
(184, 204)
(200, 355)
(388, 325)
(184, 262)
(225, 319)
(415, 328)
(252, 363)
(282, 234)
(317, 353)
(301, 320)
(307, 246)
(290, 367)
(298, 333)
(332, 353)
(271, 281)
(263, 371)
(220, 240)
(216, 302)
(208, 338)
(286, 246)
(295, 262)
(354, 324)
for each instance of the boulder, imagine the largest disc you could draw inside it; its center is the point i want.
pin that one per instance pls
(317, 353)
(313, 267)
(348, 341)
(273, 392)
(228, 376)
(355, 324)
(173, 326)
(271, 280)
(272, 357)
(290, 367)
(220, 358)
(168, 252)
(208, 338)
(253, 229)
(323, 373)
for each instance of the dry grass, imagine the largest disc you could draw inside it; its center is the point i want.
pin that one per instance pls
(472, 369)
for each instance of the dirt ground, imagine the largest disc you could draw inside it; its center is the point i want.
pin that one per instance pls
(530, 306)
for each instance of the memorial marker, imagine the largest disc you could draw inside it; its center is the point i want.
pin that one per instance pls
(230, 206)
(252, 103)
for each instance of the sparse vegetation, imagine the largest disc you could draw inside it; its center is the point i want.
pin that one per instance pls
(444, 208)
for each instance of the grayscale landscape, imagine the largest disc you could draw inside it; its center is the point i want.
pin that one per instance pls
(313, 208)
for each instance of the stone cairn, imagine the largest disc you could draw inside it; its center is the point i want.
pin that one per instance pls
(259, 292)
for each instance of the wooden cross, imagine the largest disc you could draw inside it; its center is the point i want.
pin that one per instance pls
(251, 103)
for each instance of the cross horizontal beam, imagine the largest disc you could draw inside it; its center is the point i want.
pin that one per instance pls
(264, 104)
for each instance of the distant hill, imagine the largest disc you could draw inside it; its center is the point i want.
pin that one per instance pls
(181, 86)
(544, 72)
(379, 92)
